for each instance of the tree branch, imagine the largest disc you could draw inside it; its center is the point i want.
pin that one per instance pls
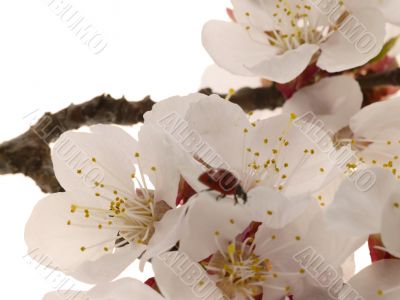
(380, 79)
(29, 153)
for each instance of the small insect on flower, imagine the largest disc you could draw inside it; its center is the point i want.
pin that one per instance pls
(224, 182)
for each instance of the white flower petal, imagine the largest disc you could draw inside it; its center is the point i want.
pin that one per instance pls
(252, 13)
(222, 81)
(165, 141)
(390, 10)
(82, 159)
(176, 104)
(121, 289)
(181, 278)
(298, 246)
(116, 136)
(213, 118)
(373, 119)
(64, 294)
(333, 100)
(209, 221)
(124, 289)
(350, 47)
(302, 160)
(232, 48)
(349, 267)
(280, 246)
(58, 235)
(167, 233)
(391, 224)
(158, 162)
(273, 208)
(333, 246)
(285, 67)
(356, 212)
(380, 281)
(109, 266)
(383, 150)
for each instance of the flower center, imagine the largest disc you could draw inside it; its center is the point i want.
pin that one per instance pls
(268, 164)
(296, 23)
(239, 271)
(383, 155)
(131, 214)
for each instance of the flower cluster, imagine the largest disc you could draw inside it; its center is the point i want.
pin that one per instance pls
(225, 205)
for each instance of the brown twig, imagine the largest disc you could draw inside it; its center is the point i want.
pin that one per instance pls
(391, 78)
(29, 153)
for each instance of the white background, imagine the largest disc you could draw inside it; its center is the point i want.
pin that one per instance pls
(154, 47)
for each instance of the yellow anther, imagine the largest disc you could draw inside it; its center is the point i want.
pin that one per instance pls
(73, 208)
(231, 248)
